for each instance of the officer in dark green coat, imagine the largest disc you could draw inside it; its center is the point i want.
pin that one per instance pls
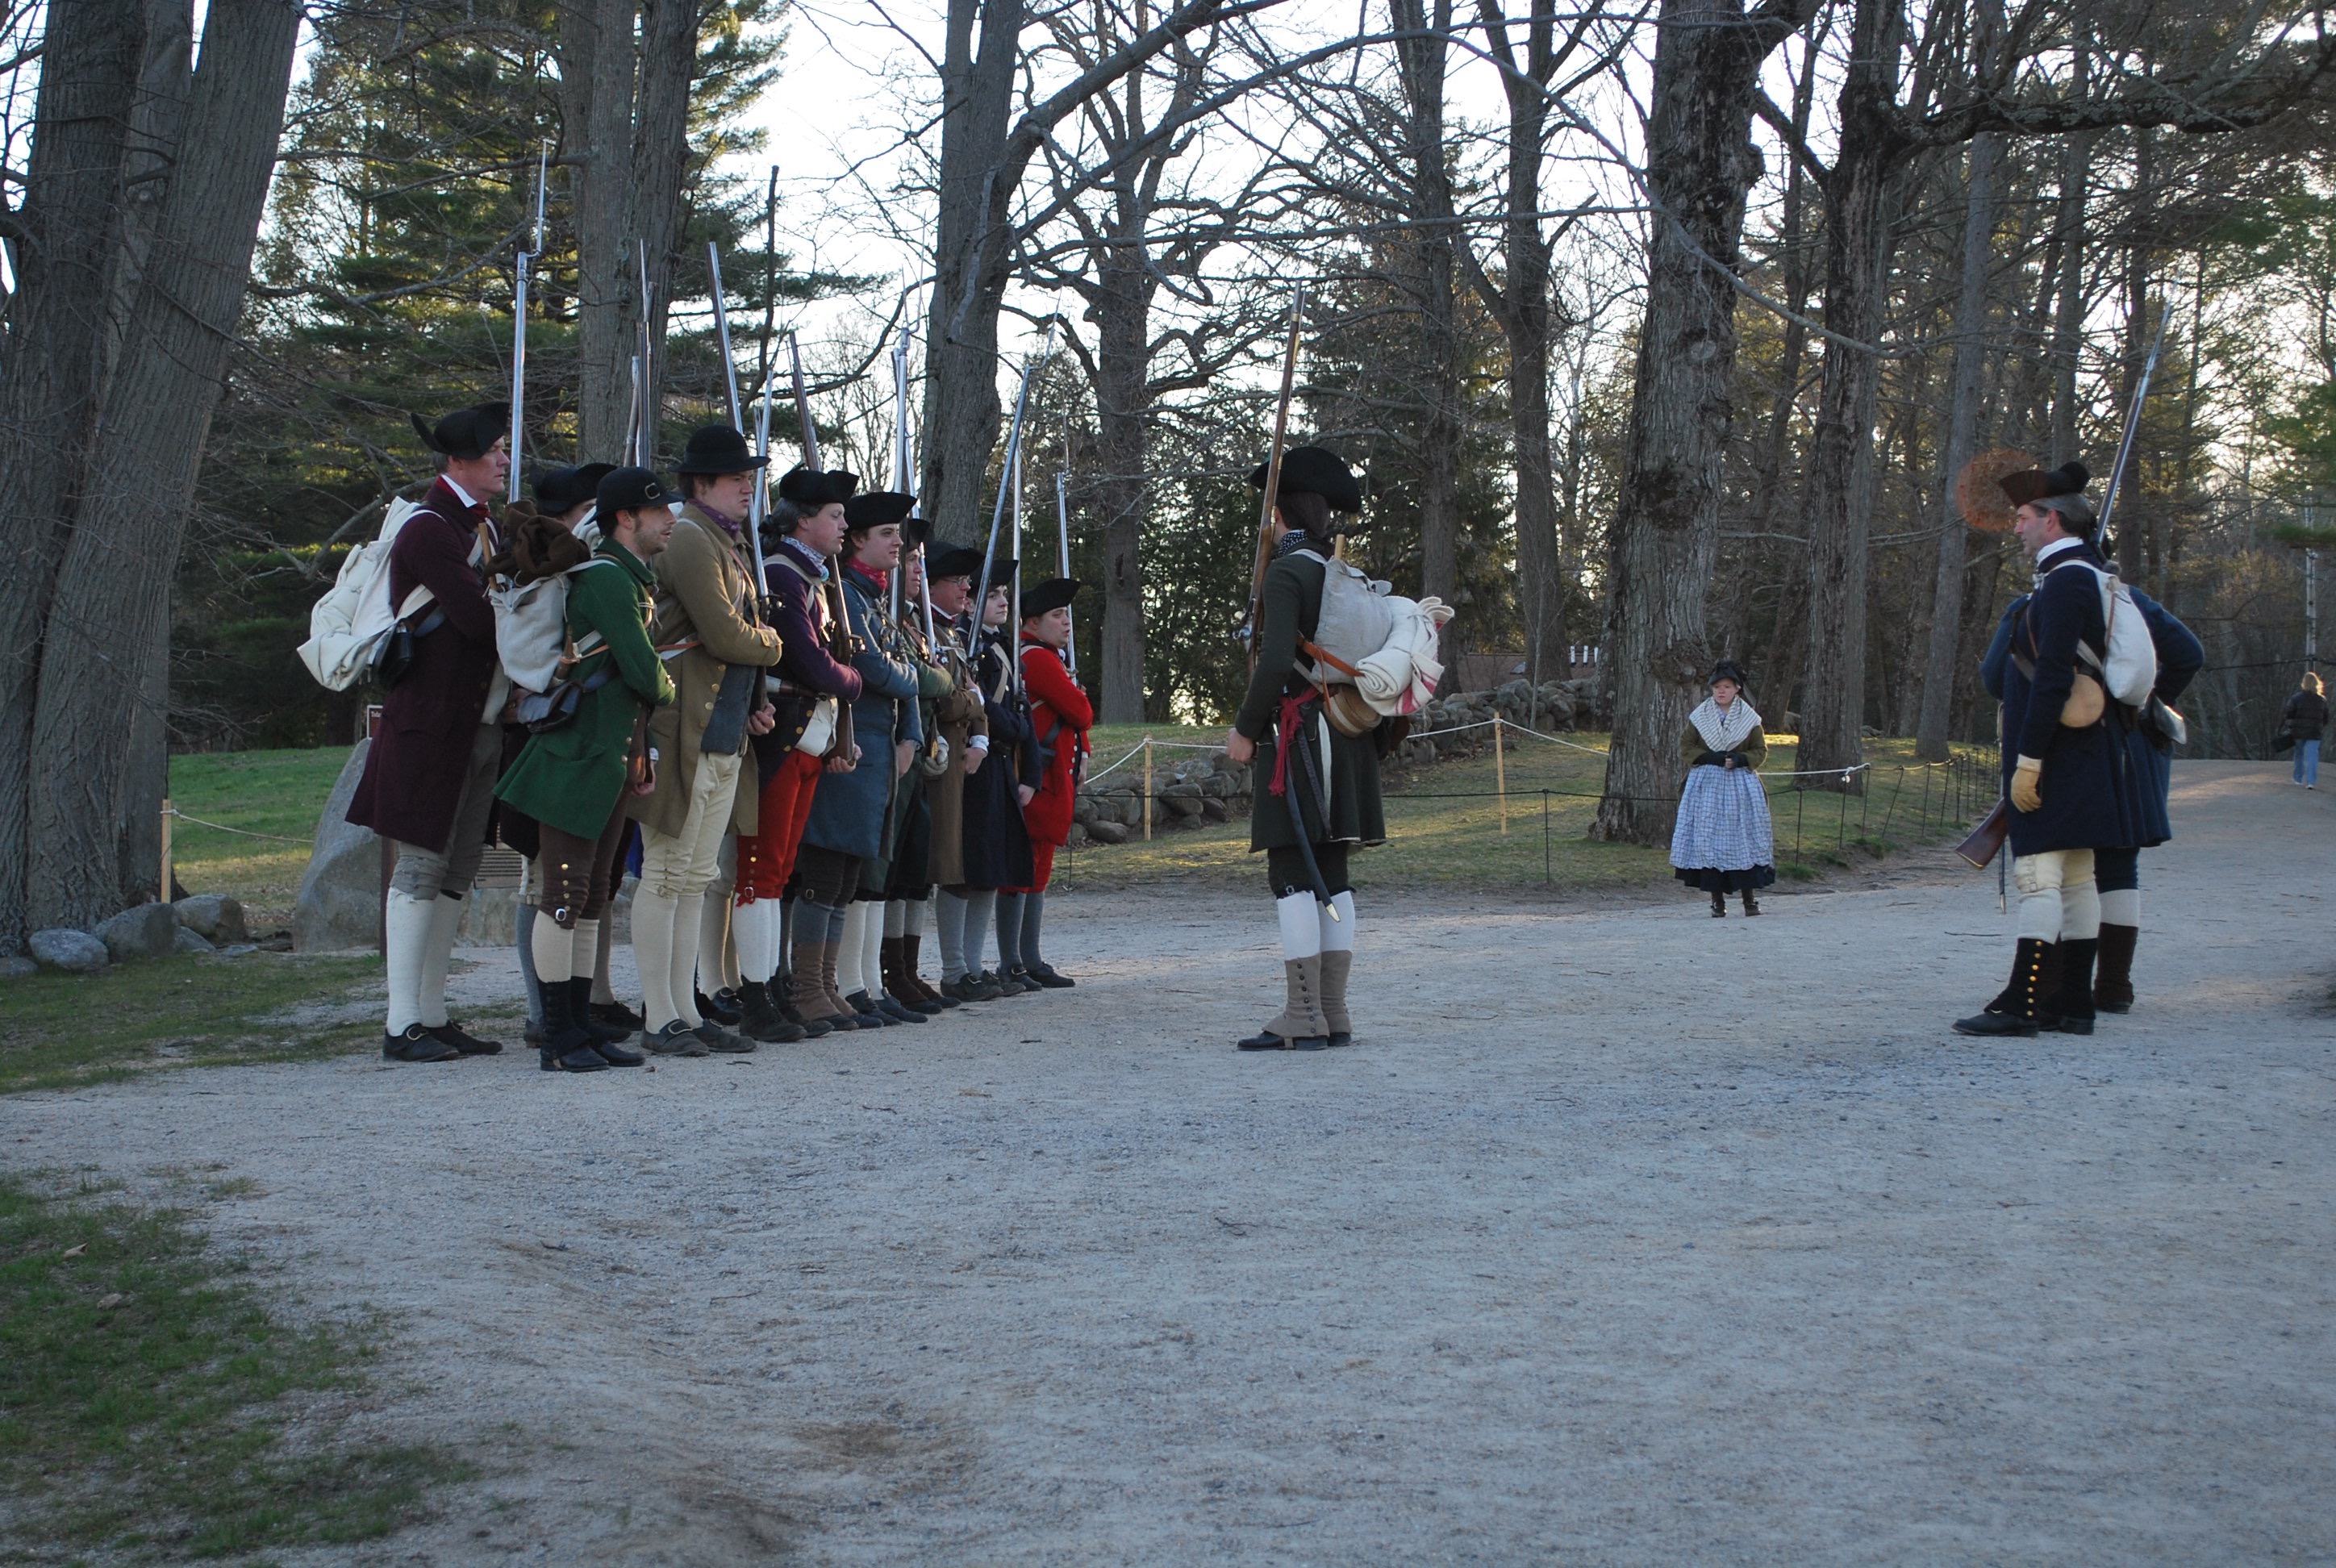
(573, 778)
(1315, 792)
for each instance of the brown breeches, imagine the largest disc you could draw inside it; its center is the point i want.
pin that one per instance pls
(579, 873)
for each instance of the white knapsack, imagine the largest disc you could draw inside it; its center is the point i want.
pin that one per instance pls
(348, 626)
(1382, 645)
(2129, 673)
(532, 627)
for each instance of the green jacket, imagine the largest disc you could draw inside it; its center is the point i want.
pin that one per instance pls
(573, 777)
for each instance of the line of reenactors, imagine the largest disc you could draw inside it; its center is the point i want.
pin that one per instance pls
(805, 765)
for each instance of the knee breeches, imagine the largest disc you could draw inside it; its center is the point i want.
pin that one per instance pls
(2059, 900)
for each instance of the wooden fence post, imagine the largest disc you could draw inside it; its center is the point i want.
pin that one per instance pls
(1501, 773)
(1147, 789)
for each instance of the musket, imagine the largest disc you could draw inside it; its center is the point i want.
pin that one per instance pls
(1014, 606)
(519, 323)
(844, 644)
(1273, 479)
(759, 506)
(803, 407)
(1006, 483)
(1063, 560)
(905, 460)
(2132, 428)
(900, 445)
(738, 415)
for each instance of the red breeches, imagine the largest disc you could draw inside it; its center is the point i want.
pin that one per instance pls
(766, 859)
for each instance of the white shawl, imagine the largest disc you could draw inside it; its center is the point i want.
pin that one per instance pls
(1724, 729)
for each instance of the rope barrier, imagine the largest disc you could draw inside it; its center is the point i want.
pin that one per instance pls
(247, 832)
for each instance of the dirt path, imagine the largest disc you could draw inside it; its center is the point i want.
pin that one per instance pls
(1643, 1238)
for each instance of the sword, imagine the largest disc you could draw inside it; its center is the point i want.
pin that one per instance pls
(1298, 818)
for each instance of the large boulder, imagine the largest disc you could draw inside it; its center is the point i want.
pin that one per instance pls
(340, 897)
(187, 941)
(1108, 832)
(13, 967)
(147, 931)
(214, 917)
(65, 948)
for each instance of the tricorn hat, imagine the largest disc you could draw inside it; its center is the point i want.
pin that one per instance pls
(1001, 573)
(558, 489)
(467, 433)
(1052, 594)
(631, 490)
(717, 449)
(2033, 486)
(808, 488)
(1728, 670)
(1316, 471)
(958, 561)
(875, 508)
(916, 531)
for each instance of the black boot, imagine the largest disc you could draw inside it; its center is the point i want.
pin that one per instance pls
(1718, 905)
(617, 1020)
(2113, 973)
(567, 1047)
(2073, 1001)
(760, 1020)
(2014, 1011)
(605, 1040)
(1751, 904)
(721, 1008)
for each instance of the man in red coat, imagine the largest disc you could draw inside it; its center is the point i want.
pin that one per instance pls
(430, 775)
(1060, 716)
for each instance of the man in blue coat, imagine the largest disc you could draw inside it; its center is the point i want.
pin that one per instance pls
(2149, 745)
(2066, 770)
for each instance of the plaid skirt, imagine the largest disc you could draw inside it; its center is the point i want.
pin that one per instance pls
(1723, 822)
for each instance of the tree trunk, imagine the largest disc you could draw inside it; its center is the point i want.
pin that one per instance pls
(1840, 475)
(596, 112)
(1543, 590)
(2068, 311)
(1931, 729)
(961, 407)
(114, 584)
(1421, 63)
(1123, 325)
(67, 229)
(660, 168)
(1699, 164)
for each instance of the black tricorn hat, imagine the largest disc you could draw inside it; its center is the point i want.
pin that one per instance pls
(875, 508)
(558, 489)
(1316, 471)
(958, 561)
(1728, 670)
(468, 434)
(915, 532)
(809, 489)
(2030, 485)
(717, 449)
(1001, 573)
(1052, 594)
(631, 490)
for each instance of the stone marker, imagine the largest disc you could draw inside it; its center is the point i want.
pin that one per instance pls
(215, 917)
(62, 948)
(340, 896)
(147, 931)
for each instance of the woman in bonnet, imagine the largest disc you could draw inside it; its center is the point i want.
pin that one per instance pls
(1723, 842)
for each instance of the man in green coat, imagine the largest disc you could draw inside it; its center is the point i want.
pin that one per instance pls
(1315, 790)
(574, 779)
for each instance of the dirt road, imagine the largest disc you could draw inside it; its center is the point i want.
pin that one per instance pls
(1630, 1237)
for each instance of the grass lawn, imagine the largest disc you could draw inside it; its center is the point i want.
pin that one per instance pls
(1435, 840)
(280, 793)
(187, 1010)
(146, 1391)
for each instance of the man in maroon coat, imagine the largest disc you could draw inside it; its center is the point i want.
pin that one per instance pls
(430, 776)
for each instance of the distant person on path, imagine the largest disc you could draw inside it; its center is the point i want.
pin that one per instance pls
(1724, 842)
(2150, 749)
(1060, 717)
(964, 723)
(2067, 772)
(994, 844)
(430, 775)
(2307, 721)
(574, 780)
(706, 615)
(1302, 763)
(854, 805)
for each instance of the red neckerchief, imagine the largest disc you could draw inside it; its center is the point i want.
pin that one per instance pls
(878, 583)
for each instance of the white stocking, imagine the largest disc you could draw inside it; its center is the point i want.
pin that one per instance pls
(446, 920)
(1338, 935)
(405, 929)
(1301, 927)
(847, 956)
(584, 948)
(555, 950)
(653, 922)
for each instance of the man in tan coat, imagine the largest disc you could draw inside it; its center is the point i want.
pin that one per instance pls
(709, 630)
